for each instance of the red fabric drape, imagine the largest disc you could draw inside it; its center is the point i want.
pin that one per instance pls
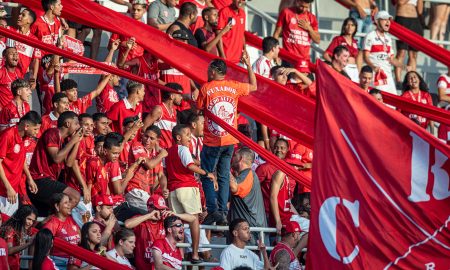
(85, 255)
(268, 156)
(272, 105)
(379, 196)
(102, 66)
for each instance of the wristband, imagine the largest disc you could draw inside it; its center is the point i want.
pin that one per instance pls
(206, 173)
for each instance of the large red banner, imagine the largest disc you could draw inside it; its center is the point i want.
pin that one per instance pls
(380, 189)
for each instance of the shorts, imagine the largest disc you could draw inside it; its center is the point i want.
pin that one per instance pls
(412, 24)
(302, 222)
(185, 200)
(81, 210)
(203, 240)
(46, 188)
(8, 208)
(137, 198)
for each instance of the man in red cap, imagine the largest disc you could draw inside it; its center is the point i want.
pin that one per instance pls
(149, 228)
(281, 193)
(105, 219)
(285, 252)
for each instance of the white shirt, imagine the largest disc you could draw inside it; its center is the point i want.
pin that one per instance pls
(121, 260)
(444, 82)
(232, 257)
(381, 50)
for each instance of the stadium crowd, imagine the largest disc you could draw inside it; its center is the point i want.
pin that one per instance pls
(151, 160)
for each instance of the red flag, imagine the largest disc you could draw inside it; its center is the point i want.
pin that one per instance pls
(380, 189)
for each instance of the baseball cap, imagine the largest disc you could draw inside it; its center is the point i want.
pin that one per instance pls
(157, 201)
(180, 34)
(103, 200)
(294, 157)
(383, 15)
(139, 2)
(292, 227)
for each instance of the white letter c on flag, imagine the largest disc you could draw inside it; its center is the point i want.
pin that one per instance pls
(328, 225)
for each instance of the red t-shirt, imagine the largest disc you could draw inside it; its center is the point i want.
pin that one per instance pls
(203, 35)
(47, 86)
(13, 237)
(13, 154)
(106, 99)
(177, 162)
(121, 110)
(221, 99)
(421, 97)
(45, 31)
(26, 52)
(6, 78)
(149, 70)
(123, 157)
(81, 104)
(233, 40)
(11, 113)
(85, 151)
(265, 173)
(114, 173)
(48, 121)
(295, 39)
(171, 255)
(97, 176)
(340, 41)
(3, 254)
(143, 178)
(67, 230)
(42, 164)
(146, 233)
(219, 4)
(48, 264)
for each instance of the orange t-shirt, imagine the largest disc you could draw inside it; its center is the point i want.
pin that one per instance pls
(221, 99)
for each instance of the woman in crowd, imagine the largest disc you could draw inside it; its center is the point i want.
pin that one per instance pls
(347, 39)
(17, 233)
(416, 89)
(42, 246)
(90, 240)
(124, 241)
(63, 226)
(408, 13)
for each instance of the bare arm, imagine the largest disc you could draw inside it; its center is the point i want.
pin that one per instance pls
(154, 116)
(213, 43)
(135, 221)
(97, 91)
(106, 234)
(161, 27)
(172, 29)
(114, 47)
(10, 192)
(151, 163)
(251, 75)
(31, 184)
(366, 57)
(277, 32)
(283, 259)
(77, 173)
(277, 181)
(327, 57)
(59, 155)
(129, 45)
(157, 257)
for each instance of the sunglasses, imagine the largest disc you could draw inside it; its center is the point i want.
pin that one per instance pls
(178, 225)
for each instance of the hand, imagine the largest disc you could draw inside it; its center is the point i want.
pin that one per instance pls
(77, 135)
(11, 195)
(32, 82)
(261, 246)
(166, 213)
(163, 153)
(376, 69)
(138, 124)
(304, 24)
(86, 195)
(202, 216)
(245, 58)
(361, 12)
(226, 29)
(279, 226)
(409, 68)
(57, 67)
(131, 43)
(154, 215)
(115, 45)
(32, 186)
(64, 25)
(307, 166)
(111, 222)
(165, 193)
(216, 185)
(194, 94)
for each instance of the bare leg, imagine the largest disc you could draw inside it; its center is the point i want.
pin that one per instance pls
(398, 70)
(96, 39)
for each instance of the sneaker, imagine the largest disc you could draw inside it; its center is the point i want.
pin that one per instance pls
(215, 216)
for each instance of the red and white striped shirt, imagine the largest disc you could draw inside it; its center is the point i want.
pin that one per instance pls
(262, 67)
(166, 123)
(171, 255)
(26, 52)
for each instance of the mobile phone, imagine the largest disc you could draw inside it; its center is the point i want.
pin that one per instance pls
(230, 20)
